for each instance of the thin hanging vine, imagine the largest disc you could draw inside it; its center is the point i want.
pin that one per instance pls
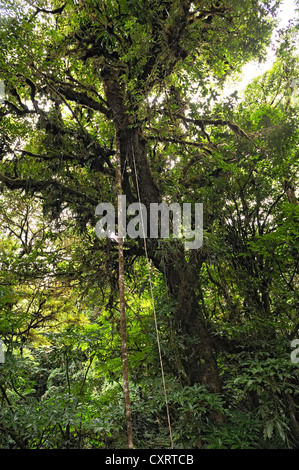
(123, 323)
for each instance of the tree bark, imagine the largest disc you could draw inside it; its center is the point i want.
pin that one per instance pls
(197, 355)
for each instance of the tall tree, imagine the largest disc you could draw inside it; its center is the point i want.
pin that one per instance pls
(83, 80)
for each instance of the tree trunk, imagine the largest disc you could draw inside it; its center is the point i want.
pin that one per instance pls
(182, 276)
(197, 355)
(114, 97)
(123, 323)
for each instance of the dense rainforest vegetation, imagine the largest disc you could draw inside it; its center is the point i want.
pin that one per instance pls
(138, 88)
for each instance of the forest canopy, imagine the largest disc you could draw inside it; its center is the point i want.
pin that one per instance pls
(110, 97)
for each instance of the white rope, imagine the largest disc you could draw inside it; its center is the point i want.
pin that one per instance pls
(153, 304)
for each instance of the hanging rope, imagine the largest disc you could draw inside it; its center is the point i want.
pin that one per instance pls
(153, 304)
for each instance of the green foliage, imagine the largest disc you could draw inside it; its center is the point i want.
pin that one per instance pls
(147, 77)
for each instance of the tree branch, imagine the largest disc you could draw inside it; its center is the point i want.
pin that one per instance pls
(56, 11)
(216, 122)
(83, 99)
(42, 185)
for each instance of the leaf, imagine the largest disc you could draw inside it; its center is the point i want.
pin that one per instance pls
(268, 430)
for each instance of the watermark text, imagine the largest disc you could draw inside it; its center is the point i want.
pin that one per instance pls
(186, 221)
